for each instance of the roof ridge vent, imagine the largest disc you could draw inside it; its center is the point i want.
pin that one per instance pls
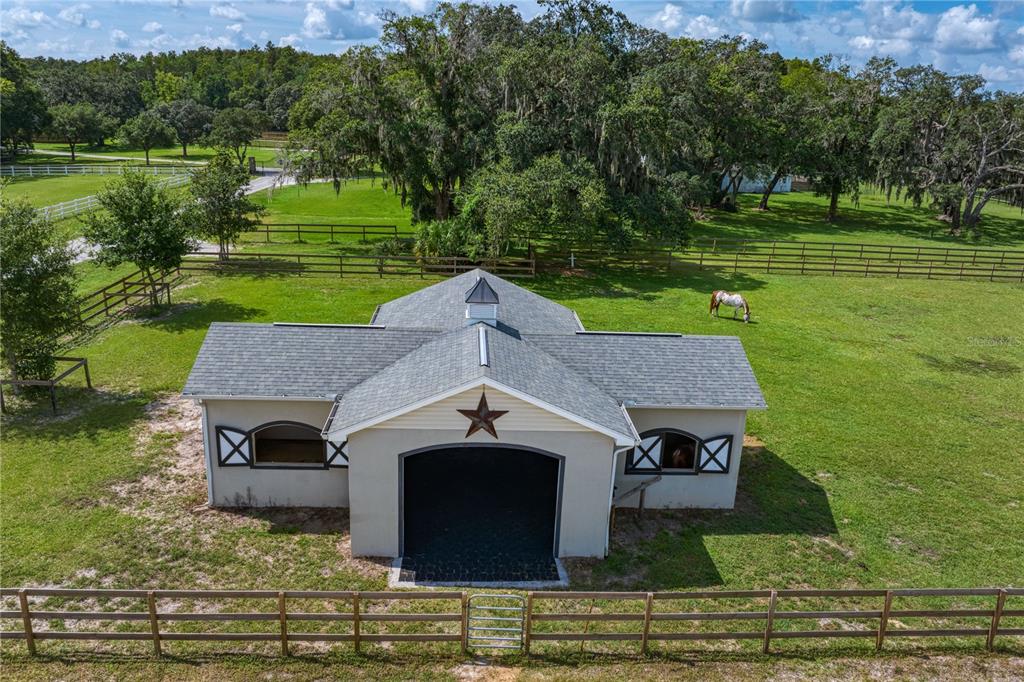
(485, 359)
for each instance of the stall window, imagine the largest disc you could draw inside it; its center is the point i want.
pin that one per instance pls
(664, 451)
(287, 444)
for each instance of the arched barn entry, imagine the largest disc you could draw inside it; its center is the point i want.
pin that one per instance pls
(480, 514)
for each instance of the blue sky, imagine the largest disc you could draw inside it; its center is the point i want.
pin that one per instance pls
(981, 37)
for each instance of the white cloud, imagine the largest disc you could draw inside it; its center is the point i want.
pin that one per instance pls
(703, 27)
(669, 19)
(234, 28)
(876, 46)
(1017, 54)
(93, 24)
(74, 14)
(289, 40)
(119, 38)
(896, 20)
(315, 24)
(998, 73)
(336, 21)
(153, 27)
(770, 11)
(963, 29)
(418, 5)
(227, 12)
(23, 17)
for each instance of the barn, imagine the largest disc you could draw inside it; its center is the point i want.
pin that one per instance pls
(475, 430)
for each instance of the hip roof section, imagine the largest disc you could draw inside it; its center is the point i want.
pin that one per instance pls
(442, 307)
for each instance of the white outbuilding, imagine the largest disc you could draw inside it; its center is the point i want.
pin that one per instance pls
(474, 429)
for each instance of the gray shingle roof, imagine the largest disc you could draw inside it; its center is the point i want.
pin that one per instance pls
(427, 348)
(453, 360)
(266, 360)
(443, 306)
(684, 371)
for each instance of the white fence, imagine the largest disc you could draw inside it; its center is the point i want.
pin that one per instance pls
(66, 209)
(40, 170)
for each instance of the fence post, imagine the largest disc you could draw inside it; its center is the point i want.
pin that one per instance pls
(355, 620)
(332, 233)
(283, 616)
(648, 607)
(26, 622)
(154, 623)
(769, 622)
(996, 615)
(465, 623)
(528, 625)
(883, 622)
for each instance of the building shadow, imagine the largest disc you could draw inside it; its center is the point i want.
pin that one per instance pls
(666, 549)
(294, 520)
(181, 317)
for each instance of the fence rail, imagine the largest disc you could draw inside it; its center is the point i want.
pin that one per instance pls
(342, 265)
(348, 615)
(861, 251)
(332, 230)
(109, 303)
(66, 209)
(808, 258)
(43, 170)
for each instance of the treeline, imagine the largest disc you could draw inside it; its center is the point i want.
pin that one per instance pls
(574, 126)
(580, 125)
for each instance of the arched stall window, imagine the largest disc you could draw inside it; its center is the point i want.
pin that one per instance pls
(671, 451)
(287, 444)
(279, 445)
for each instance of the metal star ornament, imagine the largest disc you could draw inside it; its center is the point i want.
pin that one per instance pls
(482, 418)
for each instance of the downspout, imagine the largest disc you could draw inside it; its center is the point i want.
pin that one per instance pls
(611, 496)
(206, 453)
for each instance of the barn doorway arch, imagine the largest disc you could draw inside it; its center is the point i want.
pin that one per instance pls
(480, 513)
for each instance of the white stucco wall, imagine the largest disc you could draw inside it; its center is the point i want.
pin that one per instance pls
(702, 490)
(375, 482)
(259, 487)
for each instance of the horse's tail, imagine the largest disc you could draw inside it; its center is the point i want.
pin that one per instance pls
(714, 300)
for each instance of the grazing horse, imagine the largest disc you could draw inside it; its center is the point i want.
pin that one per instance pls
(735, 301)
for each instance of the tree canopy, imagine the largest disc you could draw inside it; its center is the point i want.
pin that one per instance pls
(448, 101)
(37, 291)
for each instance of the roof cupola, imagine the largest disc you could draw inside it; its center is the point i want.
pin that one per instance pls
(482, 303)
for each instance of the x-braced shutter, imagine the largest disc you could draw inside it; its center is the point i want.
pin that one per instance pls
(714, 455)
(647, 455)
(233, 447)
(336, 454)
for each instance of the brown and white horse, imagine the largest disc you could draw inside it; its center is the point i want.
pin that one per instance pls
(734, 301)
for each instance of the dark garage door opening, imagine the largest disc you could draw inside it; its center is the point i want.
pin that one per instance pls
(479, 514)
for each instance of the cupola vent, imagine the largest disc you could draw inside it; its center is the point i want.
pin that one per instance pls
(482, 303)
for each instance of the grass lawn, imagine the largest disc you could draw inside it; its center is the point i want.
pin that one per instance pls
(889, 456)
(796, 216)
(362, 202)
(46, 190)
(800, 216)
(264, 154)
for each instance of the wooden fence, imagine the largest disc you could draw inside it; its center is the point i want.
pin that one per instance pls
(41, 170)
(811, 258)
(343, 265)
(114, 300)
(332, 230)
(644, 617)
(49, 384)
